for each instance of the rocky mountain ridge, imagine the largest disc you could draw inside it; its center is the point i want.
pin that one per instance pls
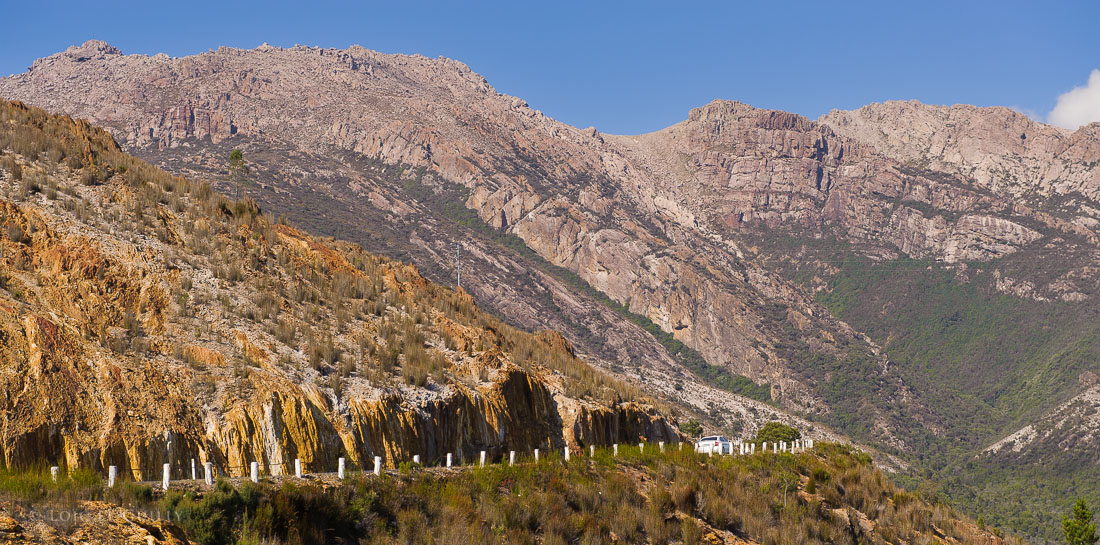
(716, 252)
(1000, 149)
(566, 193)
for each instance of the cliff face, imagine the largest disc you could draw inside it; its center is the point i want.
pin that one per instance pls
(146, 319)
(999, 149)
(737, 167)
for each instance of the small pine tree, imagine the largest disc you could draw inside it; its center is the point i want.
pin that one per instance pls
(237, 169)
(776, 432)
(1078, 528)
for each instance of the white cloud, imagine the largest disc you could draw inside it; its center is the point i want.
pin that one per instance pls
(1079, 106)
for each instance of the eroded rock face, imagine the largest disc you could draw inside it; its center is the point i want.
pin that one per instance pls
(1000, 149)
(747, 168)
(1069, 433)
(83, 406)
(139, 330)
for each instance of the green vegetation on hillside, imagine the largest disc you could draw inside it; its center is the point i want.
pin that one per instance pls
(321, 212)
(984, 360)
(1078, 527)
(980, 363)
(986, 363)
(828, 495)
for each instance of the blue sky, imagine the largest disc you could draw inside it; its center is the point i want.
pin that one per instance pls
(631, 67)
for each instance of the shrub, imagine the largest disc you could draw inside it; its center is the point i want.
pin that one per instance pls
(691, 428)
(88, 177)
(13, 166)
(30, 185)
(15, 233)
(776, 432)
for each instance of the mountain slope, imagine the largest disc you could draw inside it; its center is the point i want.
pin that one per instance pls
(864, 270)
(410, 137)
(149, 320)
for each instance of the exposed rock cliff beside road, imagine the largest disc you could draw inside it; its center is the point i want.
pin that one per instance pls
(147, 320)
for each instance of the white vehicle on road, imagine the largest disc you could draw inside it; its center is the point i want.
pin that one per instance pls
(714, 444)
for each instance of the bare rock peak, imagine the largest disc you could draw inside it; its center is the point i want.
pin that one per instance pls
(94, 48)
(720, 105)
(89, 50)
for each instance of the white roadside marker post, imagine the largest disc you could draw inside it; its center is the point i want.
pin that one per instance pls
(536, 456)
(341, 466)
(591, 450)
(255, 472)
(449, 459)
(566, 454)
(298, 468)
(209, 472)
(416, 460)
(511, 457)
(54, 470)
(661, 446)
(615, 449)
(112, 473)
(483, 458)
(167, 474)
(194, 474)
(377, 466)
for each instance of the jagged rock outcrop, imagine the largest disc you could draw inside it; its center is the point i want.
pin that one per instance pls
(85, 522)
(1000, 149)
(747, 167)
